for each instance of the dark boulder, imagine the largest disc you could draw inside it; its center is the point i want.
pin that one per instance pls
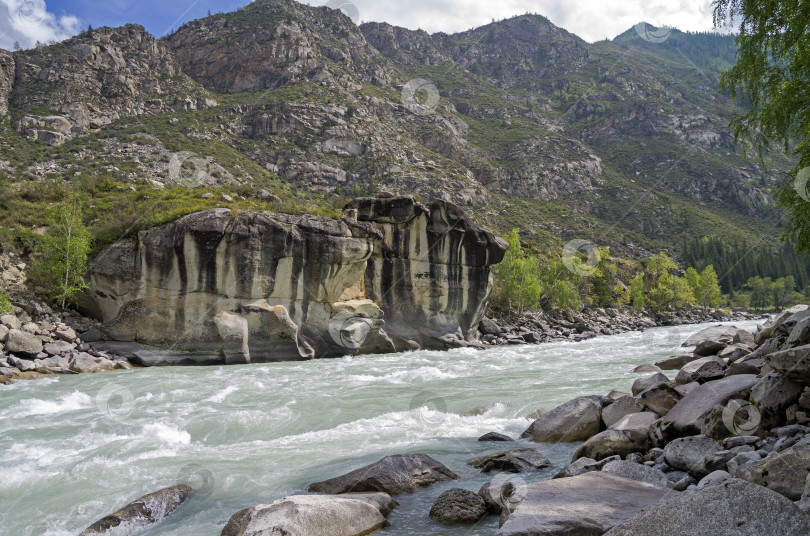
(511, 461)
(142, 512)
(458, 507)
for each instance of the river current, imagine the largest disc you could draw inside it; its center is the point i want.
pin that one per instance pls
(75, 448)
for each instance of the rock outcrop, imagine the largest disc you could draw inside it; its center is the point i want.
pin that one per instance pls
(430, 271)
(258, 287)
(141, 512)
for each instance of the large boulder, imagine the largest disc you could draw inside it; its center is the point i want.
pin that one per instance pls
(23, 343)
(637, 471)
(621, 407)
(701, 371)
(689, 454)
(702, 410)
(400, 473)
(643, 383)
(731, 508)
(141, 512)
(576, 420)
(458, 506)
(724, 334)
(588, 504)
(511, 461)
(660, 398)
(584, 465)
(769, 327)
(785, 472)
(314, 515)
(612, 443)
(793, 363)
(772, 395)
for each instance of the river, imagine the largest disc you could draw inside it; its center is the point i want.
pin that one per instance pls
(75, 448)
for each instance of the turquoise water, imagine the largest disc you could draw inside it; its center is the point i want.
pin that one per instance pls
(75, 448)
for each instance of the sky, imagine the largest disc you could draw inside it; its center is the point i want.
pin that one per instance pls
(28, 21)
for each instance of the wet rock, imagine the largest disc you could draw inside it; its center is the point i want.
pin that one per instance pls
(689, 454)
(458, 507)
(354, 514)
(401, 473)
(511, 461)
(731, 508)
(576, 420)
(494, 436)
(141, 512)
(646, 369)
(498, 495)
(22, 343)
(588, 504)
(638, 472)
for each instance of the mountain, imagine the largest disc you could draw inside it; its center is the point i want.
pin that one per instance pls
(291, 107)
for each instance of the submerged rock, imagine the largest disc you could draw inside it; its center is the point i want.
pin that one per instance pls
(511, 461)
(141, 512)
(401, 473)
(314, 515)
(494, 436)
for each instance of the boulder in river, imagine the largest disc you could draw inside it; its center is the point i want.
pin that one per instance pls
(498, 495)
(494, 436)
(511, 461)
(400, 473)
(458, 506)
(314, 515)
(724, 334)
(576, 420)
(643, 383)
(677, 362)
(141, 512)
(731, 508)
(621, 407)
(612, 443)
(701, 370)
(588, 504)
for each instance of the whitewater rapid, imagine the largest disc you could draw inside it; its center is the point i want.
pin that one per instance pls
(75, 448)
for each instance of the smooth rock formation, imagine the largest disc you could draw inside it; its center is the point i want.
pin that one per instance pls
(258, 287)
(393, 475)
(588, 504)
(689, 454)
(314, 515)
(494, 436)
(612, 443)
(721, 333)
(511, 461)
(141, 512)
(575, 420)
(732, 508)
(458, 506)
(430, 271)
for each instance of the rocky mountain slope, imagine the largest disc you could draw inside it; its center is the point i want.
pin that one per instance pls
(621, 143)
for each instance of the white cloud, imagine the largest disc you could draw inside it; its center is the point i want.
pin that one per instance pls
(28, 21)
(591, 20)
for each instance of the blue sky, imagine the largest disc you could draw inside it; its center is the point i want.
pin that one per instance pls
(28, 21)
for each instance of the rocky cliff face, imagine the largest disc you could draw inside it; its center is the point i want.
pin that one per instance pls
(430, 271)
(95, 79)
(242, 288)
(6, 79)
